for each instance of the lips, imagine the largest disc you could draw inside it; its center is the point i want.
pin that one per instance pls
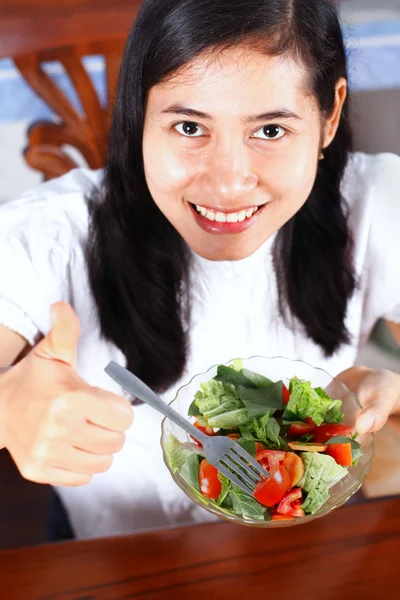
(214, 221)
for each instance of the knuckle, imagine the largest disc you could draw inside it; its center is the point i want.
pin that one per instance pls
(119, 443)
(104, 464)
(30, 471)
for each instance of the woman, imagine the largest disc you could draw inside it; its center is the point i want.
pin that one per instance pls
(230, 221)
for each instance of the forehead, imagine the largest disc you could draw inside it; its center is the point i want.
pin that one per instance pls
(237, 79)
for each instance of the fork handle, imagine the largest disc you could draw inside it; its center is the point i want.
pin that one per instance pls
(138, 388)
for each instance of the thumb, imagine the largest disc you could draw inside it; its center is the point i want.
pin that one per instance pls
(62, 340)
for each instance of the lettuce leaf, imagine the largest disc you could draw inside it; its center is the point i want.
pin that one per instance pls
(265, 430)
(314, 403)
(225, 405)
(321, 472)
(184, 461)
(245, 505)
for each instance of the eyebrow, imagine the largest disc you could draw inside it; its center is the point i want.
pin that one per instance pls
(280, 113)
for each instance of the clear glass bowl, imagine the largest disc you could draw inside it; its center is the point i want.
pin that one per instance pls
(279, 368)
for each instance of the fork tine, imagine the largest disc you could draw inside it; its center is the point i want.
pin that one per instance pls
(225, 471)
(240, 470)
(242, 455)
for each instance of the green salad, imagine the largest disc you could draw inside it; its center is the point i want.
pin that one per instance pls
(294, 432)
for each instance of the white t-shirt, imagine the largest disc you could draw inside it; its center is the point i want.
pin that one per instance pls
(235, 313)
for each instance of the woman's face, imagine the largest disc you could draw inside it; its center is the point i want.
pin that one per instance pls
(231, 147)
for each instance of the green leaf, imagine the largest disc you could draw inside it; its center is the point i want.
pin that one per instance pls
(245, 505)
(233, 377)
(267, 430)
(321, 472)
(190, 471)
(258, 401)
(177, 453)
(237, 364)
(226, 486)
(308, 402)
(246, 434)
(289, 417)
(316, 498)
(356, 450)
(256, 379)
(334, 414)
(248, 445)
(193, 410)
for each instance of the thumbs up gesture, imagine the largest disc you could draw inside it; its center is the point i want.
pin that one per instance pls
(58, 429)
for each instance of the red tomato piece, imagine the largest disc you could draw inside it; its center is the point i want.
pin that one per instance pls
(205, 429)
(210, 485)
(299, 429)
(285, 394)
(341, 453)
(323, 433)
(233, 436)
(270, 459)
(291, 505)
(259, 447)
(294, 466)
(276, 517)
(272, 490)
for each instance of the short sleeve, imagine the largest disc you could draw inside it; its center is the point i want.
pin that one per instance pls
(384, 238)
(40, 236)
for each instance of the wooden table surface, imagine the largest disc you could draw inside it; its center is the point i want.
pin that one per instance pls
(31, 25)
(353, 553)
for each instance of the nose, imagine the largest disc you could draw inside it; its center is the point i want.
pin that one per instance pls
(228, 175)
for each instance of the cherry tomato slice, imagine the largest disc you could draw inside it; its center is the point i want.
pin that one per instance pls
(285, 395)
(300, 428)
(270, 459)
(341, 453)
(210, 485)
(272, 490)
(276, 517)
(294, 466)
(323, 433)
(205, 429)
(290, 505)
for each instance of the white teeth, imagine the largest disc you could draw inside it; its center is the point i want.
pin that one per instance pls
(221, 217)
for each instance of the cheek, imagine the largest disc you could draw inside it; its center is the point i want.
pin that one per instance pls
(167, 172)
(293, 180)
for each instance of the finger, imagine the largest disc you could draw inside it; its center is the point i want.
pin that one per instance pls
(109, 411)
(96, 440)
(55, 476)
(79, 461)
(61, 342)
(375, 414)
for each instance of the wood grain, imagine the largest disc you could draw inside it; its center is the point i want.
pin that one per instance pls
(30, 25)
(352, 553)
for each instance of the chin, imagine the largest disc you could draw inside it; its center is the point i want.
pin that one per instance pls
(226, 252)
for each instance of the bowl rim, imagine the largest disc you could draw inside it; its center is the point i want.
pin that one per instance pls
(250, 522)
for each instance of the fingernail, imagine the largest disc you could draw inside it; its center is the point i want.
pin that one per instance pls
(366, 422)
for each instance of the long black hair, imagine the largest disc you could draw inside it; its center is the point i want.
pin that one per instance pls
(138, 263)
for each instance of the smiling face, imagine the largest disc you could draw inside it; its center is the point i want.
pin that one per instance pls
(231, 146)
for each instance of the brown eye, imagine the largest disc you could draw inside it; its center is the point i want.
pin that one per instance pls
(270, 132)
(189, 129)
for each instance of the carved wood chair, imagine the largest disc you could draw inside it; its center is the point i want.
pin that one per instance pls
(85, 132)
(33, 32)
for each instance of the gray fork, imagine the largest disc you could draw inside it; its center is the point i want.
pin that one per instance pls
(222, 452)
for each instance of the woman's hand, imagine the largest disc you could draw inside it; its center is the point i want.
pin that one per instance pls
(378, 392)
(58, 429)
